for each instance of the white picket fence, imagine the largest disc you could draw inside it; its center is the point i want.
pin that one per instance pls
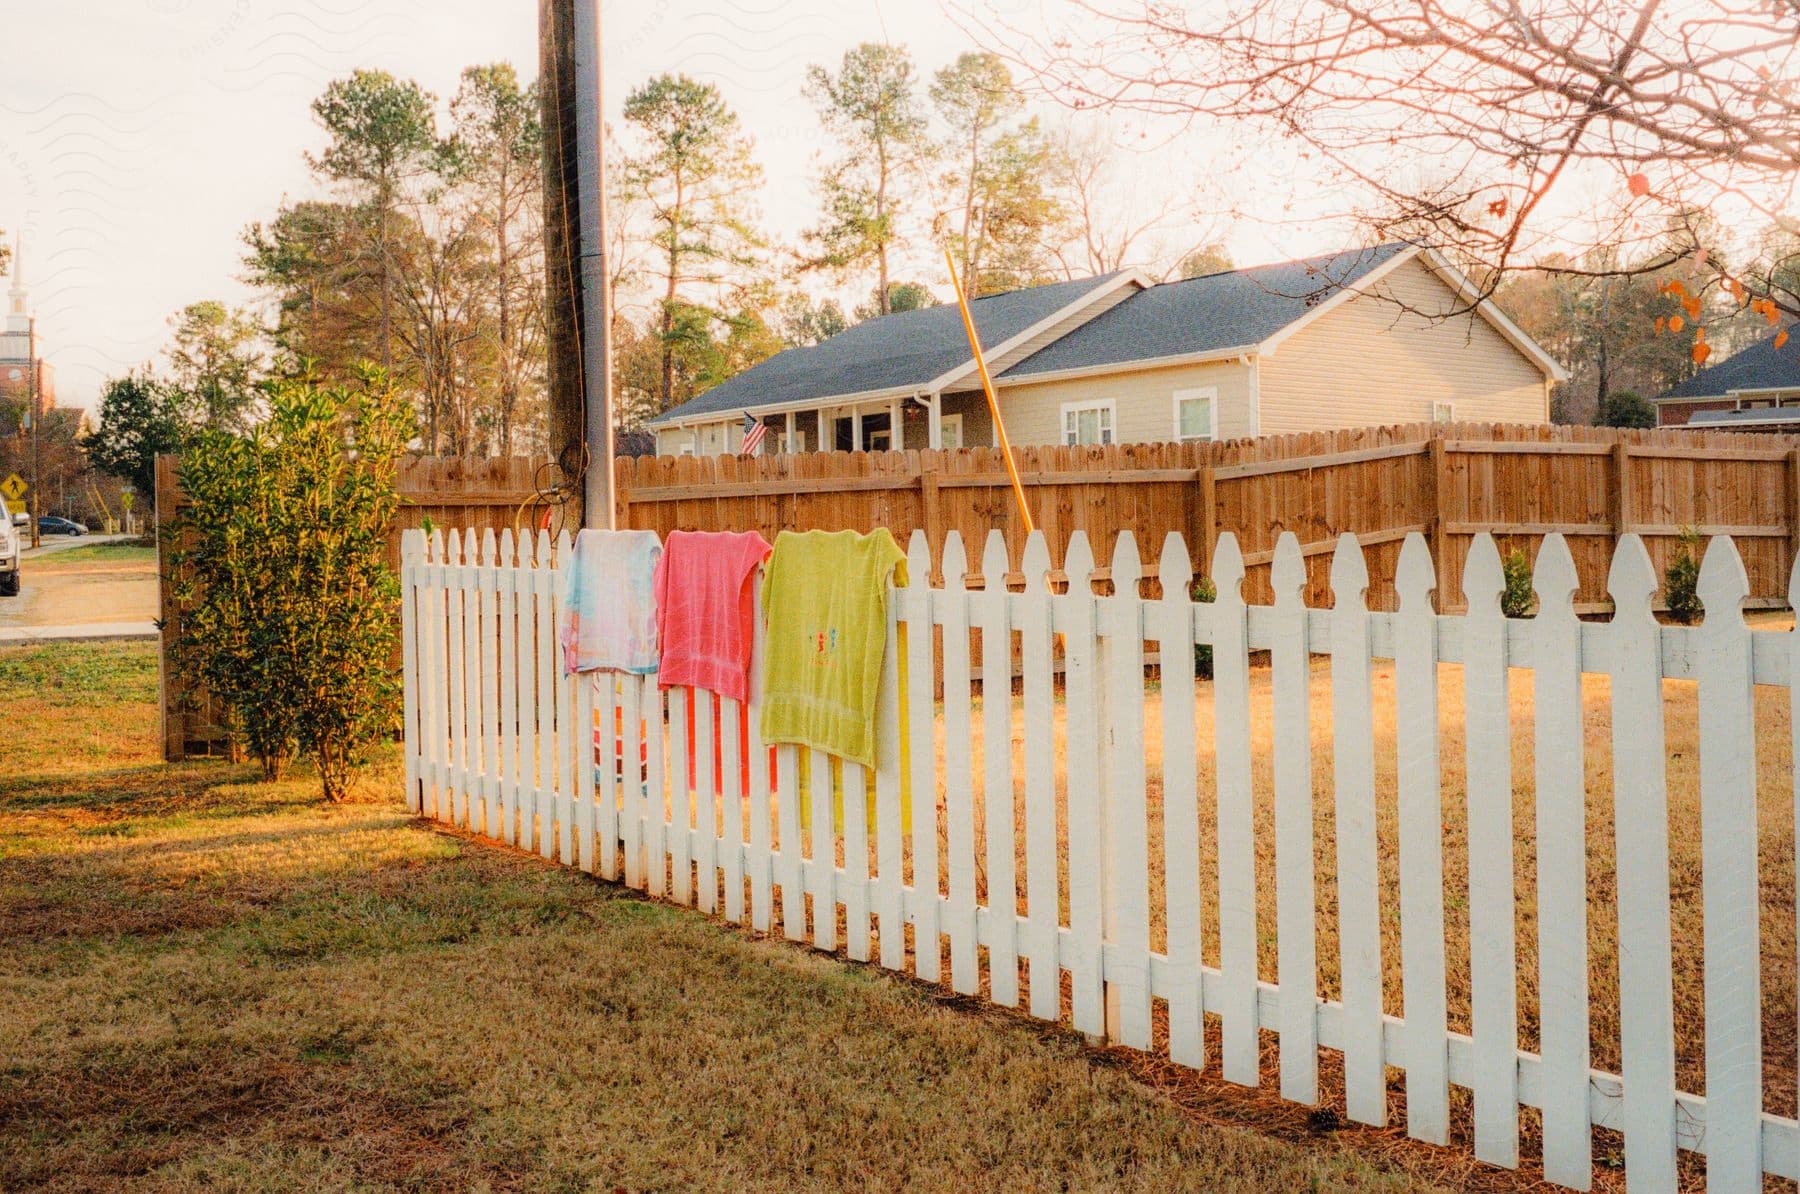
(597, 775)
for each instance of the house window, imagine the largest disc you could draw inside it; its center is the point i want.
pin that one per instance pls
(1088, 422)
(1197, 415)
(1443, 412)
(950, 428)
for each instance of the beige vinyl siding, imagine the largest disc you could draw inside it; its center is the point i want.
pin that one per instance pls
(1376, 360)
(1144, 402)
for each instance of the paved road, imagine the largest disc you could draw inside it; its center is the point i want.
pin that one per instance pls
(81, 599)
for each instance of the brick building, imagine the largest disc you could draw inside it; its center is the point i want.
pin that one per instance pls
(21, 351)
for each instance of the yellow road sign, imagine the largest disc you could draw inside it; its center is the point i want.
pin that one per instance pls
(14, 487)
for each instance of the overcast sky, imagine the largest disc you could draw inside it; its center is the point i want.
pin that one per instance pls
(139, 137)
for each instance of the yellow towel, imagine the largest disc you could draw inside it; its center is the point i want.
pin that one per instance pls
(825, 597)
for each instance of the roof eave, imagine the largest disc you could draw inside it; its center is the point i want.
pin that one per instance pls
(665, 423)
(1210, 356)
(1131, 277)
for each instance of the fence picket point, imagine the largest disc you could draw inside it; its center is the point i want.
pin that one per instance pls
(1732, 980)
(1359, 897)
(491, 714)
(1087, 980)
(1641, 832)
(1295, 929)
(1173, 628)
(633, 802)
(1561, 869)
(1124, 813)
(646, 782)
(856, 861)
(1493, 966)
(456, 803)
(681, 796)
(1236, 816)
(608, 733)
(793, 897)
(528, 663)
(1420, 789)
(922, 720)
(761, 858)
(890, 844)
(549, 669)
(997, 776)
(731, 806)
(1042, 906)
(706, 804)
(508, 663)
(959, 776)
(565, 720)
(821, 806)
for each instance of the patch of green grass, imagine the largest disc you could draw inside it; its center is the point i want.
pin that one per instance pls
(213, 981)
(124, 551)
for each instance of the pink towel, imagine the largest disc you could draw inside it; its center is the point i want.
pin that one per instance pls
(705, 609)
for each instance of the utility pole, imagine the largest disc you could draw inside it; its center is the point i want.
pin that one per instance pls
(577, 319)
(31, 412)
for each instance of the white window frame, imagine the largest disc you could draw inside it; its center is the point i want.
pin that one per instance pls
(1108, 406)
(945, 423)
(1192, 394)
(1443, 412)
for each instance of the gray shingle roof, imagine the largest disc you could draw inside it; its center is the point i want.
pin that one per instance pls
(1762, 366)
(907, 349)
(1224, 310)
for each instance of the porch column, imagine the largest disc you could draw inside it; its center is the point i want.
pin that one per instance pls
(896, 432)
(789, 445)
(856, 438)
(936, 423)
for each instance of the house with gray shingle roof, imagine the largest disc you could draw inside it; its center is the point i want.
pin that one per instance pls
(1388, 334)
(1757, 389)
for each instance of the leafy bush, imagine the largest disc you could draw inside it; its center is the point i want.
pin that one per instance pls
(1203, 590)
(1517, 600)
(290, 620)
(1622, 408)
(1681, 581)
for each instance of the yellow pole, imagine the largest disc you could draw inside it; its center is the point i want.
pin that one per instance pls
(987, 386)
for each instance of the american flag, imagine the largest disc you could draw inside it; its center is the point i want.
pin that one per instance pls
(755, 431)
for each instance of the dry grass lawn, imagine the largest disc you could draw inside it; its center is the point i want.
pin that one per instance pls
(216, 982)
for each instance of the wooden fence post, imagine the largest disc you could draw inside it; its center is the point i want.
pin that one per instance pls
(931, 509)
(1792, 512)
(1621, 490)
(1206, 518)
(1438, 519)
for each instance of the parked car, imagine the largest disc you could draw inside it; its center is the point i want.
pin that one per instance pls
(51, 525)
(9, 549)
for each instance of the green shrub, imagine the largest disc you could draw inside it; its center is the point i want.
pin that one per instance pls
(1517, 600)
(1681, 581)
(1622, 408)
(290, 608)
(1203, 590)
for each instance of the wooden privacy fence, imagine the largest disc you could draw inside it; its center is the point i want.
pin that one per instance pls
(1115, 834)
(498, 493)
(1448, 481)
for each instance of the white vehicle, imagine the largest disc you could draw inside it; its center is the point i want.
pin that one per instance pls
(9, 548)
